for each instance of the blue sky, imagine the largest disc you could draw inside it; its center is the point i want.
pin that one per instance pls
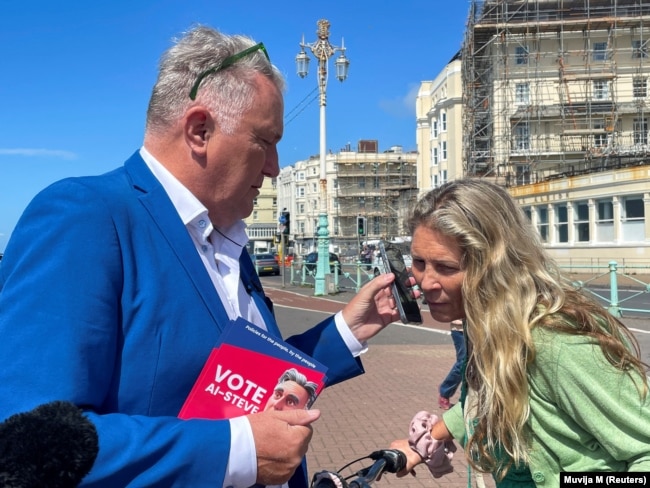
(76, 77)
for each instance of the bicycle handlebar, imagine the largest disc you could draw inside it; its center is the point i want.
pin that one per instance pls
(385, 461)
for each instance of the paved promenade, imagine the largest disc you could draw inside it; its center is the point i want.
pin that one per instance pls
(368, 412)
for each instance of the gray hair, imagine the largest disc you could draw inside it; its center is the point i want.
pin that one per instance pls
(227, 93)
(297, 377)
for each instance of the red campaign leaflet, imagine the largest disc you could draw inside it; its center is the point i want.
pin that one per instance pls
(243, 370)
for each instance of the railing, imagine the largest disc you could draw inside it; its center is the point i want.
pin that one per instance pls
(620, 288)
(616, 279)
(347, 276)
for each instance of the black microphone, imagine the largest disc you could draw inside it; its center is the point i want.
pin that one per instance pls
(53, 445)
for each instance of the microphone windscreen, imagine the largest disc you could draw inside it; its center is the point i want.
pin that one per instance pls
(53, 445)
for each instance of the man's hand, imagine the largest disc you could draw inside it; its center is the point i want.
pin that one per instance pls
(373, 308)
(281, 441)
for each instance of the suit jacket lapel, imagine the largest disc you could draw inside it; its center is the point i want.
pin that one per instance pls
(156, 202)
(254, 287)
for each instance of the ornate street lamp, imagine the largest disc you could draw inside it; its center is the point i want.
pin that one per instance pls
(322, 50)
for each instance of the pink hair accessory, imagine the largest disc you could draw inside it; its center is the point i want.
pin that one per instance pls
(437, 455)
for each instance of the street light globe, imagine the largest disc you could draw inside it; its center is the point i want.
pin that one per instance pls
(302, 64)
(342, 65)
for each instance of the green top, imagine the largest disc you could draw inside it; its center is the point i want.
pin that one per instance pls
(585, 415)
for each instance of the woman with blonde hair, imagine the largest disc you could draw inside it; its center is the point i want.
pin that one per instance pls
(552, 383)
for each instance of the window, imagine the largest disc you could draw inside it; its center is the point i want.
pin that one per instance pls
(521, 55)
(300, 176)
(640, 87)
(581, 221)
(301, 208)
(640, 128)
(300, 191)
(434, 128)
(434, 157)
(443, 177)
(633, 219)
(601, 90)
(633, 209)
(275, 201)
(522, 93)
(443, 117)
(562, 223)
(605, 220)
(599, 52)
(639, 49)
(542, 223)
(255, 216)
(600, 136)
(255, 202)
(522, 137)
(443, 152)
(522, 174)
(362, 182)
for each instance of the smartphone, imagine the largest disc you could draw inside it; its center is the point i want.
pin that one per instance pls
(409, 310)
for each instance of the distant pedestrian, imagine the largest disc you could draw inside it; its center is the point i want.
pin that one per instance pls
(450, 384)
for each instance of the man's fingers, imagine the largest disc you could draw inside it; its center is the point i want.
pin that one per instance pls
(298, 417)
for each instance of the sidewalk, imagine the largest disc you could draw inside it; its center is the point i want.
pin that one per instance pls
(368, 412)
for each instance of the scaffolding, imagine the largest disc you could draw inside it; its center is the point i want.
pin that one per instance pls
(554, 88)
(380, 186)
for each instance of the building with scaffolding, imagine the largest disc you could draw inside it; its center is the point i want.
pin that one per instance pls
(380, 186)
(555, 107)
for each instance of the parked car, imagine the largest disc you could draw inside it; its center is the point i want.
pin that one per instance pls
(288, 259)
(265, 264)
(311, 261)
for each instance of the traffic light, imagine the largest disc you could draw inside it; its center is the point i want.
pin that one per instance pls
(285, 220)
(361, 226)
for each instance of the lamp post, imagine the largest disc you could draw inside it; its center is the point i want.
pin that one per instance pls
(322, 50)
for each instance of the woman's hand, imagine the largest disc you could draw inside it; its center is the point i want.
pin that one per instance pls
(412, 457)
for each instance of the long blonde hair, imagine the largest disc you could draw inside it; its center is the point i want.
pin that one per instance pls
(510, 287)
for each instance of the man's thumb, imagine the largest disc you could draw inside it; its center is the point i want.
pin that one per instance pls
(299, 417)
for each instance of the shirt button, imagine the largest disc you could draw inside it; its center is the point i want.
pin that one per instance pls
(538, 477)
(202, 224)
(204, 247)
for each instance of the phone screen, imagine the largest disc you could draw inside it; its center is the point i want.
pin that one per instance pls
(408, 307)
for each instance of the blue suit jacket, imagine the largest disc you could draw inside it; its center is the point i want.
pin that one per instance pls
(105, 302)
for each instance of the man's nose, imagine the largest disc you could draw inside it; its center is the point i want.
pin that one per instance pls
(272, 166)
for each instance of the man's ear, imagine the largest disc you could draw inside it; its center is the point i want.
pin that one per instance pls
(198, 127)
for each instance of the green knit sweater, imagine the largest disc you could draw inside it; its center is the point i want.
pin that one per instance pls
(585, 415)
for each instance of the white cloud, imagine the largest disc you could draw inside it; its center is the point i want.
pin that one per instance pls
(402, 106)
(55, 153)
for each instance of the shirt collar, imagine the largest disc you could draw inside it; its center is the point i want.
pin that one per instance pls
(191, 211)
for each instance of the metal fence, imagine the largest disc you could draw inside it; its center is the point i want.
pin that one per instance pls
(621, 288)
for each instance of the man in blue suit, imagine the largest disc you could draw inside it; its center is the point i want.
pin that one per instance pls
(114, 288)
